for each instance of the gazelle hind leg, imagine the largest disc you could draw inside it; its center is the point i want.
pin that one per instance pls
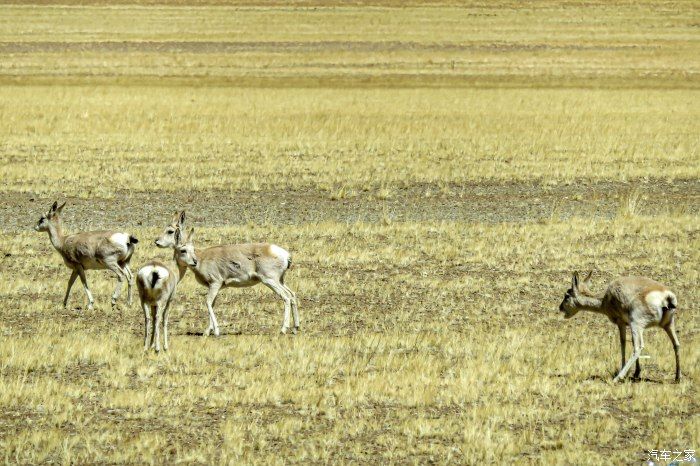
(147, 325)
(121, 275)
(295, 309)
(165, 324)
(130, 284)
(282, 292)
(671, 332)
(158, 311)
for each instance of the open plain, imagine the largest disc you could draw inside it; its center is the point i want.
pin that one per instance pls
(437, 170)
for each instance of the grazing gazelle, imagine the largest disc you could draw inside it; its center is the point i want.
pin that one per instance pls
(90, 250)
(236, 265)
(156, 283)
(636, 302)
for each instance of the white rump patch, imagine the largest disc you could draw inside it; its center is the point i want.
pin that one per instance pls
(146, 273)
(280, 253)
(122, 239)
(657, 301)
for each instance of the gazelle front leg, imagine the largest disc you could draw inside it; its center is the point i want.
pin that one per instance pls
(211, 298)
(623, 342)
(83, 280)
(638, 343)
(71, 280)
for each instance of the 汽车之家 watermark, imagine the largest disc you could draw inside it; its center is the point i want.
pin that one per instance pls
(672, 455)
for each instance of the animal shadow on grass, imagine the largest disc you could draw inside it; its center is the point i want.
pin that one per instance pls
(608, 379)
(222, 334)
(648, 380)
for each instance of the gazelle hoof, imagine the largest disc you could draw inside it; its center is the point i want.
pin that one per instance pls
(283, 331)
(295, 330)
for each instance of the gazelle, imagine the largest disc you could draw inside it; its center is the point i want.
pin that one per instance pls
(156, 283)
(238, 266)
(636, 302)
(110, 250)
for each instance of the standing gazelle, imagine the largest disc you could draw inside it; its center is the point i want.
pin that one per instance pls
(636, 302)
(238, 265)
(90, 250)
(156, 283)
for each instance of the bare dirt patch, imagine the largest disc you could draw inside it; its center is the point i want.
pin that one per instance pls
(486, 202)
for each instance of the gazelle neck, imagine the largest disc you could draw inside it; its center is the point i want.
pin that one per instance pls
(590, 303)
(56, 233)
(181, 266)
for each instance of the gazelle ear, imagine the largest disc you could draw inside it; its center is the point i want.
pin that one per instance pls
(574, 282)
(587, 280)
(60, 208)
(52, 209)
(178, 237)
(181, 221)
(190, 235)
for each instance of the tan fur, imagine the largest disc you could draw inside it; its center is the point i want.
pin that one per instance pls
(83, 247)
(155, 301)
(635, 302)
(237, 265)
(88, 251)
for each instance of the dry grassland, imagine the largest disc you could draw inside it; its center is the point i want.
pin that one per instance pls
(437, 173)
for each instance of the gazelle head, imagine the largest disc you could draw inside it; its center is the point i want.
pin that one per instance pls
(51, 216)
(571, 303)
(167, 239)
(184, 249)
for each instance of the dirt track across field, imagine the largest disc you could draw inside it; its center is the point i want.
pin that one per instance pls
(487, 202)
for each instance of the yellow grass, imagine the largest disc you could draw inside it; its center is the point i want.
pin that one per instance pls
(402, 357)
(144, 138)
(422, 340)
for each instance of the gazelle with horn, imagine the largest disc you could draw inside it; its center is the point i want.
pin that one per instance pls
(238, 265)
(635, 302)
(110, 250)
(156, 282)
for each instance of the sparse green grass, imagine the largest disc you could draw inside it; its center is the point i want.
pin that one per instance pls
(421, 341)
